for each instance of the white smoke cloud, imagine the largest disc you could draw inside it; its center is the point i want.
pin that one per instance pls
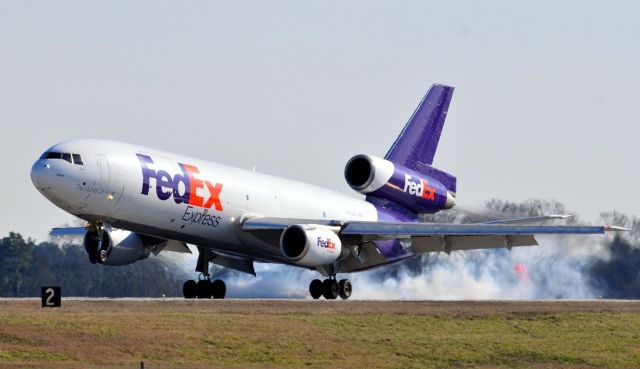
(558, 268)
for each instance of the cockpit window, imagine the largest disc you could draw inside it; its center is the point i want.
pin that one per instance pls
(54, 155)
(77, 159)
(71, 158)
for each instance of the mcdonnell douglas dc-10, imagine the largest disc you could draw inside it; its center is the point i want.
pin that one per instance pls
(137, 201)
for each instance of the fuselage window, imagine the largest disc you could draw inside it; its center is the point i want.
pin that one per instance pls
(66, 156)
(77, 159)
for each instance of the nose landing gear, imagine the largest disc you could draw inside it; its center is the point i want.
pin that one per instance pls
(97, 242)
(330, 288)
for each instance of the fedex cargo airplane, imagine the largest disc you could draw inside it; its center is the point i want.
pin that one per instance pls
(137, 201)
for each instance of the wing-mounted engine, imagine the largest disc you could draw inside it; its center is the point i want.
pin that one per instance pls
(382, 178)
(115, 247)
(109, 246)
(311, 245)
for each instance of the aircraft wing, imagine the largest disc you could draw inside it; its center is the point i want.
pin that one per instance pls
(431, 237)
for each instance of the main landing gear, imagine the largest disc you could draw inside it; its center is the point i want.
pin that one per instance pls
(330, 288)
(204, 288)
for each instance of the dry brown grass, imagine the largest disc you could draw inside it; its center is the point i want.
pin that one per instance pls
(353, 334)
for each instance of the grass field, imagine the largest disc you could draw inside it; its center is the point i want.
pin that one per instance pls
(319, 334)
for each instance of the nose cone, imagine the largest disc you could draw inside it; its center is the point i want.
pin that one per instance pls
(40, 171)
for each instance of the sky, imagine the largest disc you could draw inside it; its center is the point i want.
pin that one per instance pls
(545, 106)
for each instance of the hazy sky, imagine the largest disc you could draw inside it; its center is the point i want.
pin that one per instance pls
(546, 102)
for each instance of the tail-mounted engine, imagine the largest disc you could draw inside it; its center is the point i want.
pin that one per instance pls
(114, 247)
(311, 245)
(415, 191)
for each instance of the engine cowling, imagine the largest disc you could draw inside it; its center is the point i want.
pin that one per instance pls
(121, 247)
(311, 245)
(415, 191)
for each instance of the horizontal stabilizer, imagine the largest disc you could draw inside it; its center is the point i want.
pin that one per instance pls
(68, 231)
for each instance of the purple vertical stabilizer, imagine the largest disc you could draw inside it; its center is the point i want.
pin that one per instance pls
(416, 145)
(419, 138)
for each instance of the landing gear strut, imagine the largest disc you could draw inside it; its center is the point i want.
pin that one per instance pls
(330, 288)
(204, 288)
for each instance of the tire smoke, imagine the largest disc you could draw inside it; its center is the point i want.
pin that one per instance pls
(562, 267)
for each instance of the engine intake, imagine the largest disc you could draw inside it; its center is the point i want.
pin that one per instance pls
(310, 245)
(120, 247)
(366, 173)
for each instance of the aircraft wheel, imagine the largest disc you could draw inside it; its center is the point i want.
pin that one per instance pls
(204, 289)
(190, 289)
(315, 289)
(345, 289)
(330, 289)
(219, 289)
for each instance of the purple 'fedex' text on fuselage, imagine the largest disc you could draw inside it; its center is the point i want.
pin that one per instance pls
(168, 185)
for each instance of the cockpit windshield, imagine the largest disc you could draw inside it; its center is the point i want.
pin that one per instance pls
(71, 158)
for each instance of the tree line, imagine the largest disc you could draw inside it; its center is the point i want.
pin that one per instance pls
(26, 266)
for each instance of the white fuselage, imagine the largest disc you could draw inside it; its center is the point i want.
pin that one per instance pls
(109, 186)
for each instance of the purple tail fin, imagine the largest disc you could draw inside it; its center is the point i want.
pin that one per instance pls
(419, 138)
(416, 145)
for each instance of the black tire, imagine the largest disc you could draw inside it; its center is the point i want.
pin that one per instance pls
(204, 289)
(315, 289)
(345, 289)
(190, 289)
(218, 289)
(330, 289)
